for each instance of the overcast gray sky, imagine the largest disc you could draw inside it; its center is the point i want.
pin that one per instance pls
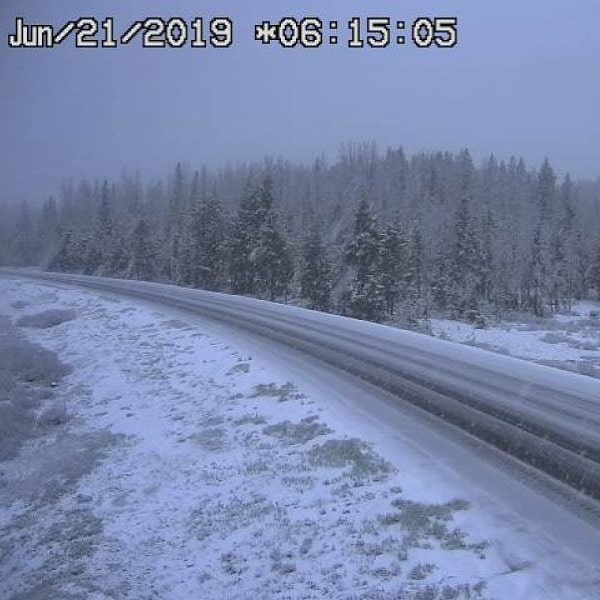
(524, 79)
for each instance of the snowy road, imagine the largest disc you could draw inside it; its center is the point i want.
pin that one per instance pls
(547, 418)
(540, 540)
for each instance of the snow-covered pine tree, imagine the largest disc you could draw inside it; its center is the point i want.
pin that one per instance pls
(26, 242)
(253, 214)
(69, 257)
(173, 249)
(466, 259)
(391, 263)
(48, 228)
(143, 256)
(546, 192)
(486, 275)
(593, 273)
(580, 261)
(105, 223)
(413, 273)
(119, 255)
(538, 293)
(208, 239)
(315, 271)
(441, 284)
(366, 298)
(272, 257)
(545, 246)
(100, 245)
(566, 249)
(177, 198)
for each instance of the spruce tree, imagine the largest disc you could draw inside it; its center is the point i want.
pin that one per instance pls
(538, 275)
(253, 214)
(69, 257)
(366, 297)
(315, 271)
(466, 264)
(391, 263)
(142, 252)
(119, 255)
(208, 244)
(594, 271)
(24, 239)
(273, 264)
(100, 245)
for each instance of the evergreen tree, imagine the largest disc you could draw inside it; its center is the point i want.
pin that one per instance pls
(412, 277)
(173, 255)
(142, 252)
(538, 279)
(208, 244)
(93, 257)
(119, 255)
(546, 190)
(69, 258)
(272, 260)
(392, 262)
(486, 256)
(441, 280)
(48, 227)
(183, 266)
(100, 245)
(367, 294)
(466, 265)
(251, 218)
(315, 271)
(24, 241)
(594, 271)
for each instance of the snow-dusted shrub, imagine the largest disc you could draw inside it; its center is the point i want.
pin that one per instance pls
(47, 319)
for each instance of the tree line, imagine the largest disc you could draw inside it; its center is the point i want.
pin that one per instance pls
(371, 236)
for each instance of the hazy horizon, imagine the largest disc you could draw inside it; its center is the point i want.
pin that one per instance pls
(519, 83)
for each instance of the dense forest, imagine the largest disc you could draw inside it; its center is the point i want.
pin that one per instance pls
(370, 235)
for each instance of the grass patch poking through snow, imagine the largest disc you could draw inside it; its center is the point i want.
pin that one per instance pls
(297, 433)
(365, 463)
(421, 524)
(282, 393)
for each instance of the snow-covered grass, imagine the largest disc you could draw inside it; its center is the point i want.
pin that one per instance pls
(173, 465)
(570, 340)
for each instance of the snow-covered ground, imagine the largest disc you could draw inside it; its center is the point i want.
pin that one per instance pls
(569, 341)
(189, 466)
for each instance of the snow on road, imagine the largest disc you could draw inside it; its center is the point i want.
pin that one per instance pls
(189, 467)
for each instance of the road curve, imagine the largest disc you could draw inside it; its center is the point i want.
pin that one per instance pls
(547, 418)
